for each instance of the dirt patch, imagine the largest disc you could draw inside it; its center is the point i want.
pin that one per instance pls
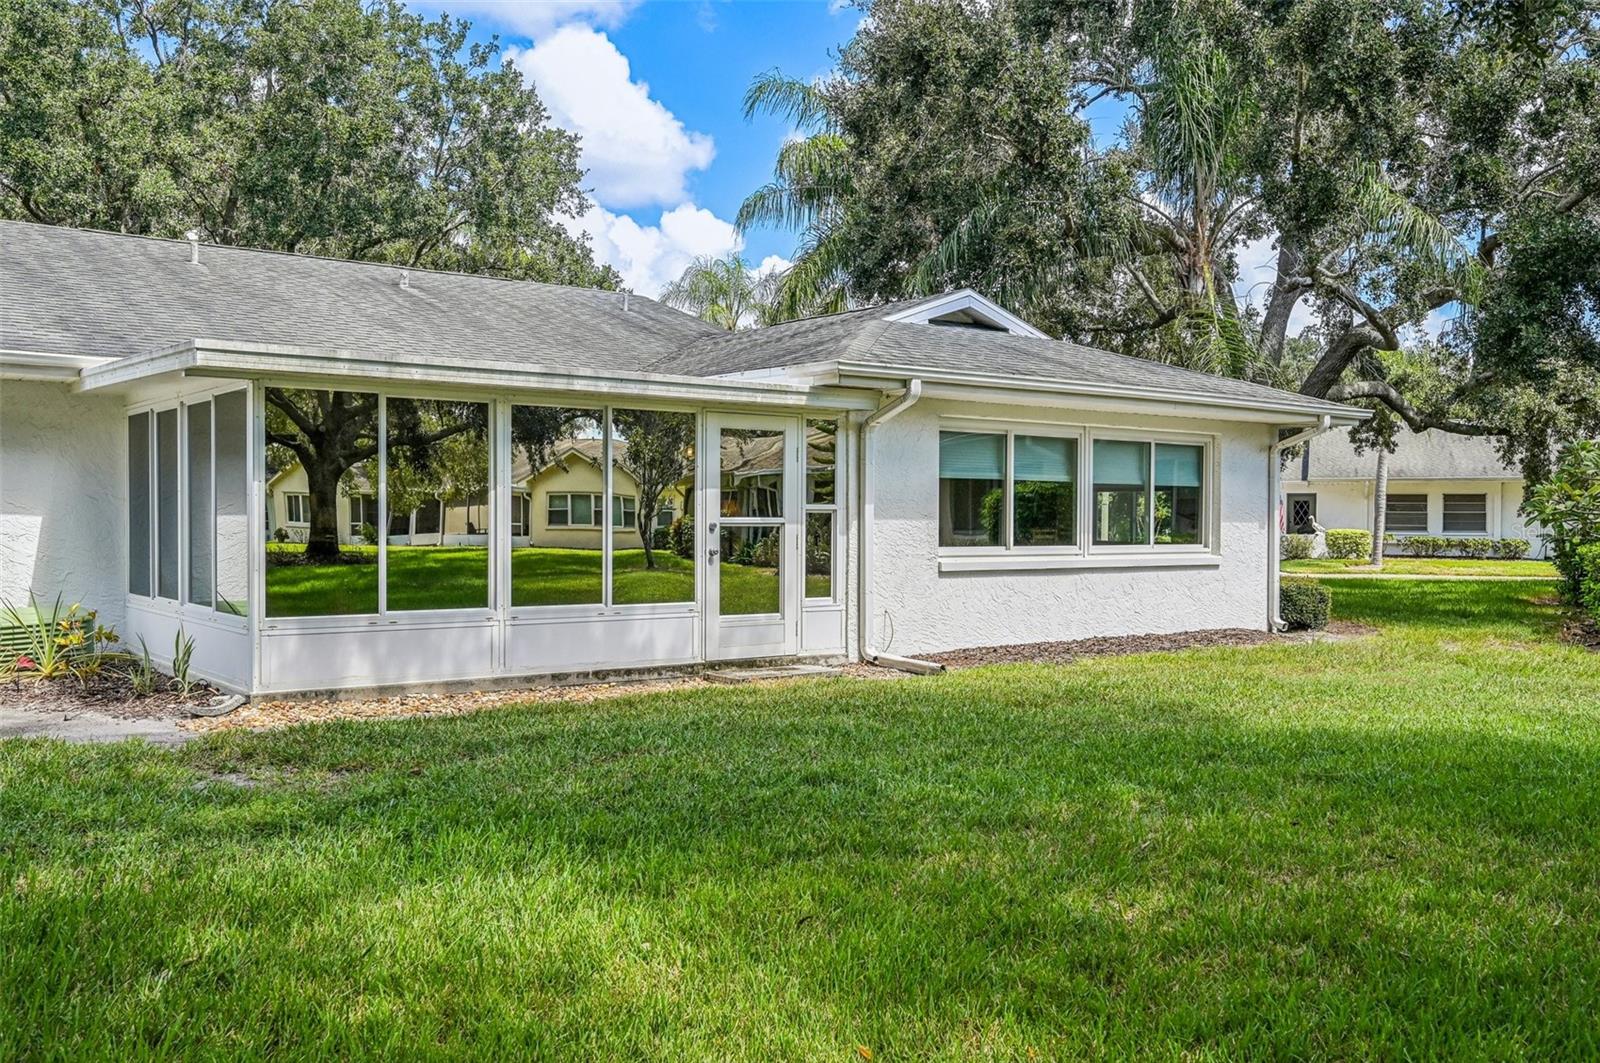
(1581, 631)
(108, 694)
(269, 714)
(1106, 646)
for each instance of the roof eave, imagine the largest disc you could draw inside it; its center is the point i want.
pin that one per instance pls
(217, 358)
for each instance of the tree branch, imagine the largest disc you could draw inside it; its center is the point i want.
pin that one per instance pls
(1418, 421)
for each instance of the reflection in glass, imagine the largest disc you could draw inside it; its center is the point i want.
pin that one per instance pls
(139, 504)
(652, 473)
(822, 459)
(318, 444)
(1121, 492)
(437, 461)
(749, 576)
(233, 502)
(972, 488)
(1044, 503)
(752, 472)
(201, 539)
(1178, 483)
(167, 504)
(557, 459)
(819, 555)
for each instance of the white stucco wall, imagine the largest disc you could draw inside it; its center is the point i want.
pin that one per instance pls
(63, 528)
(918, 609)
(1348, 504)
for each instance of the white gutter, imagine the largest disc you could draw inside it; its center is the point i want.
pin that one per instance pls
(1274, 479)
(881, 415)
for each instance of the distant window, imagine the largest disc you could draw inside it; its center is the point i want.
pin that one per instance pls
(363, 511)
(1406, 513)
(665, 517)
(297, 509)
(519, 515)
(1302, 517)
(1466, 513)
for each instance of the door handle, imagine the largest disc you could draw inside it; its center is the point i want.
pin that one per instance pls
(712, 553)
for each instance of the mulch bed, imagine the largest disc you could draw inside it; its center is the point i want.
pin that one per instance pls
(1105, 646)
(1581, 631)
(108, 694)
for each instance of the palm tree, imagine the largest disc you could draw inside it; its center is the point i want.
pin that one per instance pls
(811, 178)
(1380, 506)
(725, 292)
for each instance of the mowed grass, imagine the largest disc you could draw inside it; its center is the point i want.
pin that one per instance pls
(452, 577)
(1426, 566)
(1386, 847)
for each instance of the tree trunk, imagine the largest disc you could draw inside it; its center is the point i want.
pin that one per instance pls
(645, 516)
(1380, 505)
(322, 485)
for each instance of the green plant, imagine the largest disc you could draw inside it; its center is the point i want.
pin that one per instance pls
(1425, 545)
(1298, 547)
(682, 537)
(182, 653)
(1586, 560)
(141, 673)
(57, 642)
(1568, 507)
(1511, 549)
(1348, 543)
(1303, 604)
(1474, 548)
(369, 534)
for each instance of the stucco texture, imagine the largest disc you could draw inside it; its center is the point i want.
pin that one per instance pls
(63, 460)
(918, 609)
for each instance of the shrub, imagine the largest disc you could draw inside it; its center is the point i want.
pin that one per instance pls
(1478, 549)
(1298, 547)
(661, 539)
(1511, 549)
(1348, 543)
(369, 534)
(1426, 545)
(1303, 604)
(1568, 506)
(1586, 562)
(682, 537)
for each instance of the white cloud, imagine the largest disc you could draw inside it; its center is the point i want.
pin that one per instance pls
(536, 17)
(771, 264)
(648, 256)
(637, 152)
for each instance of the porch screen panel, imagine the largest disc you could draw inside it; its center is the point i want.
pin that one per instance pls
(1180, 481)
(139, 504)
(1121, 492)
(199, 516)
(230, 413)
(972, 485)
(1044, 498)
(822, 506)
(438, 471)
(323, 445)
(167, 504)
(557, 456)
(652, 454)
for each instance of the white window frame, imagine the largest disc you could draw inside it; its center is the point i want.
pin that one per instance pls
(1085, 552)
(296, 500)
(835, 508)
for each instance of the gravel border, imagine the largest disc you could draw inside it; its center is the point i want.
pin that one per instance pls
(1104, 646)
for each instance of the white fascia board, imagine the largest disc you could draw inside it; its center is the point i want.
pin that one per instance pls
(971, 301)
(226, 359)
(42, 365)
(983, 387)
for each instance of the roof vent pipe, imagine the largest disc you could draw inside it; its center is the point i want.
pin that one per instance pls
(194, 246)
(624, 300)
(405, 278)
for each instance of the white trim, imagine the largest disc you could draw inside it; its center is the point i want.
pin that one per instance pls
(1030, 562)
(43, 365)
(974, 304)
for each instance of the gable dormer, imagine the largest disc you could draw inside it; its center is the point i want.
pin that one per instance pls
(965, 309)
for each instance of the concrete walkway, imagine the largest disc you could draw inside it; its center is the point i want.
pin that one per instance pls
(86, 727)
(1404, 575)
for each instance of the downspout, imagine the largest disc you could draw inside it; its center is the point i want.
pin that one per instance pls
(1274, 489)
(868, 653)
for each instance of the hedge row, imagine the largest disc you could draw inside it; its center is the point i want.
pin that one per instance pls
(1439, 546)
(1588, 573)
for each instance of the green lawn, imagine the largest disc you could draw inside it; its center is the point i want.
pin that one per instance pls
(449, 577)
(1386, 847)
(1428, 566)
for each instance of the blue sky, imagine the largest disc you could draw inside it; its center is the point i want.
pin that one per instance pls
(655, 89)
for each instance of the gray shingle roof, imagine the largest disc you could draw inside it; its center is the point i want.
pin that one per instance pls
(74, 291)
(1430, 455)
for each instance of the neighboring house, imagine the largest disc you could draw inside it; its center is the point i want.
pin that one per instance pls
(892, 480)
(1440, 484)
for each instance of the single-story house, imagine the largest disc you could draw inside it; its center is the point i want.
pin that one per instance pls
(1440, 484)
(874, 484)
